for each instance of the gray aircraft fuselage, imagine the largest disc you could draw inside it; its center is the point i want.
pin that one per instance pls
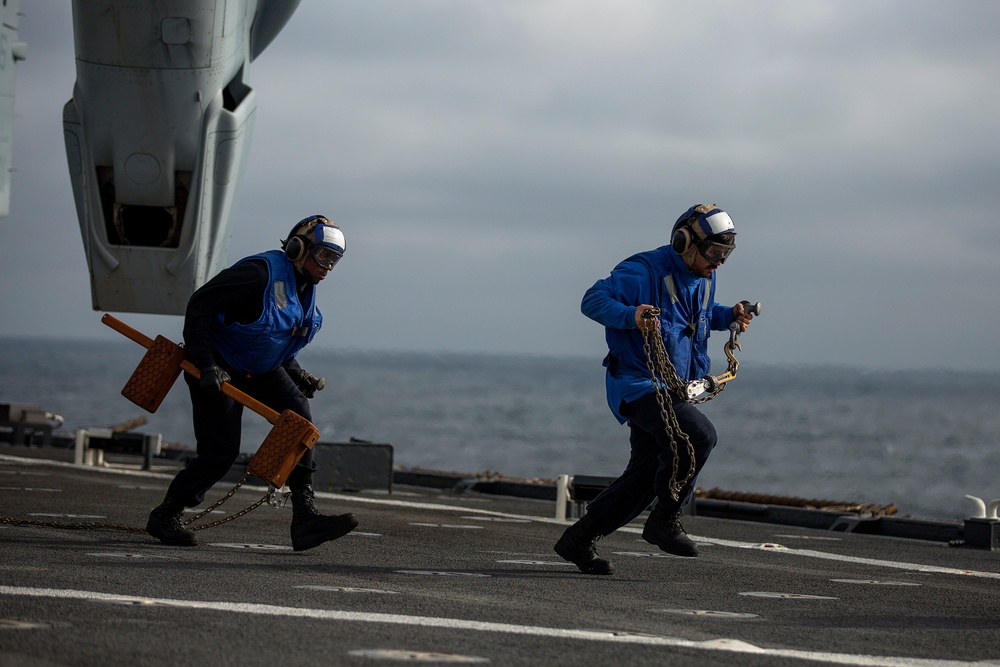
(157, 133)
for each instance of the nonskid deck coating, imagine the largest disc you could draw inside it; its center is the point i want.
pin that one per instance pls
(442, 578)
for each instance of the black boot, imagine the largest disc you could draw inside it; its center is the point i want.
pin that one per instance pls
(165, 525)
(309, 527)
(663, 529)
(579, 545)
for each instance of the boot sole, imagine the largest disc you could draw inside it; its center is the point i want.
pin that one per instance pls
(596, 566)
(684, 551)
(177, 541)
(312, 541)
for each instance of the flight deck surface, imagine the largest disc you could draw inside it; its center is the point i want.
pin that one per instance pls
(467, 578)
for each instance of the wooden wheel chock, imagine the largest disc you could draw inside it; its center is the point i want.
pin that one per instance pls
(290, 436)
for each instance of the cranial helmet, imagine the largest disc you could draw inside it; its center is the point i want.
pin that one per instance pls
(704, 229)
(316, 237)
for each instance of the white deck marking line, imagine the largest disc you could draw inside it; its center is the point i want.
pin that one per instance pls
(809, 553)
(758, 546)
(117, 470)
(721, 644)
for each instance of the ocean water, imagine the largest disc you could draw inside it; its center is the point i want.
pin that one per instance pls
(919, 439)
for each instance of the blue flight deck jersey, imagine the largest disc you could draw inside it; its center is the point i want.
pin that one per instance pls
(650, 277)
(285, 326)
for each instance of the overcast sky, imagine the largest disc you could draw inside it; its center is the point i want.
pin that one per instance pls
(488, 161)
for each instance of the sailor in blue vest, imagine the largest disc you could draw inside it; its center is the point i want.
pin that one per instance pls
(245, 326)
(679, 280)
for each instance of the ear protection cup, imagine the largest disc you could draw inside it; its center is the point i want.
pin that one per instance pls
(297, 245)
(296, 248)
(310, 233)
(684, 236)
(682, 240)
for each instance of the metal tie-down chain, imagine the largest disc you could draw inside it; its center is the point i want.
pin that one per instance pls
(268, 497)
(80, 525)
(664, 378)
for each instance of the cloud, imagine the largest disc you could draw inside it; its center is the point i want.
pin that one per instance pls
(488, 161)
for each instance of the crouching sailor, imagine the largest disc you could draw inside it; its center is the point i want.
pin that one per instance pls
(245, 326)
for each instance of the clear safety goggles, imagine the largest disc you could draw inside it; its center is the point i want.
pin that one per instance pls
(716, 253)
(324, 256)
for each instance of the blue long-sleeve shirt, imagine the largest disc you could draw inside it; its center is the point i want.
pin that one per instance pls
(688, 311)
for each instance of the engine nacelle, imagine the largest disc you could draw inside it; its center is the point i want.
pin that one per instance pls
(156, 136)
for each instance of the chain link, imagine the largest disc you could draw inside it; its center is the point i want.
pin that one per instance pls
(93, 525)
(665, 369)
(665, 380)
(82, 525)
(223, 499)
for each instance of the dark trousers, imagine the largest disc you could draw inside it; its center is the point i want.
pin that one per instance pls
(647, 475)
(218, 426)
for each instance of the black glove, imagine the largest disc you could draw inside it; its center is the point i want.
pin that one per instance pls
(212, 378)
(307, 383)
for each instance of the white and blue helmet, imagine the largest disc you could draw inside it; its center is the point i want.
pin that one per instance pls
(317, 237)
(706, 229)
